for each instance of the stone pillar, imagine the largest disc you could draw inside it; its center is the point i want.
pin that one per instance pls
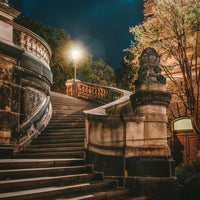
(150, 101)
(151, 164)
(151, 157)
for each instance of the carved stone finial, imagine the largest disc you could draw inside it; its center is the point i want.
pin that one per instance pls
(149, 56)
(150, 85)
(150, 70)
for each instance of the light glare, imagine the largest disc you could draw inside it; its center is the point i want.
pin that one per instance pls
(75, 54)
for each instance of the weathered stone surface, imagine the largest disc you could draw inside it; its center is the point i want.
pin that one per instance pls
(15, 99)
(150, 70)
(14, 124)
(5, 121)
(5, 71)
(34, 98)
(141, 98)
(5, 97)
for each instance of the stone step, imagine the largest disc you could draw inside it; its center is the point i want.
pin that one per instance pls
(74, 140)
(69, 112)
(72, 123)
(39, 163)
(76, 144)
(71, 154)
(114, 194)
(49, 192)
(63, 118)
(67, 108)
(61, 133)
(47, 176)
(61, 149)
(55, 121)
(59, 137)
(72, 116)
(43, 172)
(55, 130)
(39, 182)
(66, 126)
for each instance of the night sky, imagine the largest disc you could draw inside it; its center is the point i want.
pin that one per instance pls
(101, 25)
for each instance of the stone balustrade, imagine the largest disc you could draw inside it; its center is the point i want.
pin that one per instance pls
(31, 42)
(97, 93)
(22, 37)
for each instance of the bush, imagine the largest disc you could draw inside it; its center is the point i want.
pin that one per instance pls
(189, 180)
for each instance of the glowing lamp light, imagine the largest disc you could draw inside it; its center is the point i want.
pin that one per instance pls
(75, 54)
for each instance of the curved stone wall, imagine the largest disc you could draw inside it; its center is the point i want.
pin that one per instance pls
(25, 82)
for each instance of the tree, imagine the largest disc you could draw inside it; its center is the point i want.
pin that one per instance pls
(102, 74)
(126, 74)
(61, 64)
(174, 32)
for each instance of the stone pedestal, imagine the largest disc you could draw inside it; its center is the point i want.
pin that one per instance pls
(152, 157)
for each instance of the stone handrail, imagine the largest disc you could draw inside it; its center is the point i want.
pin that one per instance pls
(115, 106)
(29, 41)
(105, 139)
(93, 92)
(33, 126)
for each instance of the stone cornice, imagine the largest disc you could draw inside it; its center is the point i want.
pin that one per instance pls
(9, 11)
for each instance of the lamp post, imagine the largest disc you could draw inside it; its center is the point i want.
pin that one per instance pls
(75, 56)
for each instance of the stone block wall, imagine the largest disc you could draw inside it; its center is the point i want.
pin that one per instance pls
(9, 99)
(21, 94)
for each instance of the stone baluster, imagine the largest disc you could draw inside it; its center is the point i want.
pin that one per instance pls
(31, 44)
(22, 39)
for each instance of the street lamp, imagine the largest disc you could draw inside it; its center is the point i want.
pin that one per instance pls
(75, 57)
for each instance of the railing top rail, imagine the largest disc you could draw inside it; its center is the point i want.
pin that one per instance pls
(95, 85)
(102, 109)
(106, 87)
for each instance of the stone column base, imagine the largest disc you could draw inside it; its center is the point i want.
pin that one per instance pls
(150, 166)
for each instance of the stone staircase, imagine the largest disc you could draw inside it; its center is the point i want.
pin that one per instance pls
(53, 166)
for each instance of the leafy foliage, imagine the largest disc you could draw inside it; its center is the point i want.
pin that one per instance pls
(189, 180)
(127, 73)
(174, 32)
(102, 74)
